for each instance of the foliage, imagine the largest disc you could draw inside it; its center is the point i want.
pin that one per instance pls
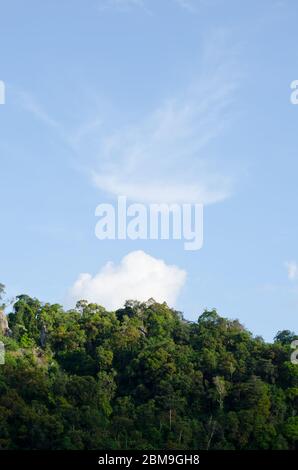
(142, 378)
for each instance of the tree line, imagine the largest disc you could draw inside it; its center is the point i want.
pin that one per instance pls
(142, 377)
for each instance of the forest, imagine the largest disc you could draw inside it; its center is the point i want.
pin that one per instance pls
(142, 377)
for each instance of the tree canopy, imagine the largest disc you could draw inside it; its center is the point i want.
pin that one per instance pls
(142, 377)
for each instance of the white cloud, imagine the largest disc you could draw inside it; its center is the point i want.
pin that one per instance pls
(292, 268)
(139, 276)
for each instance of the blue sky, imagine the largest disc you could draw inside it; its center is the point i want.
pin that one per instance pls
(172, 99)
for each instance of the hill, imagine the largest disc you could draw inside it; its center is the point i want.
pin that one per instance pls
(142, 378)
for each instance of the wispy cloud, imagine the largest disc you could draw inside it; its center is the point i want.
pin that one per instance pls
(139, 276)
(126, 5)
(193, 5)
(292, 269)
(30, 104)
(75, 137)
(164, 157)
(78, 137)
(121, 5)
(186, 4)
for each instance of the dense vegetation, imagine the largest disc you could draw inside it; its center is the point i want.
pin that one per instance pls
(142, 378)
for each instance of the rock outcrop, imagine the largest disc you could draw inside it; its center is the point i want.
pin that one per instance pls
(4, 328)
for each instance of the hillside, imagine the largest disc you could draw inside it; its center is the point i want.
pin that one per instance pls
(142, 378)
